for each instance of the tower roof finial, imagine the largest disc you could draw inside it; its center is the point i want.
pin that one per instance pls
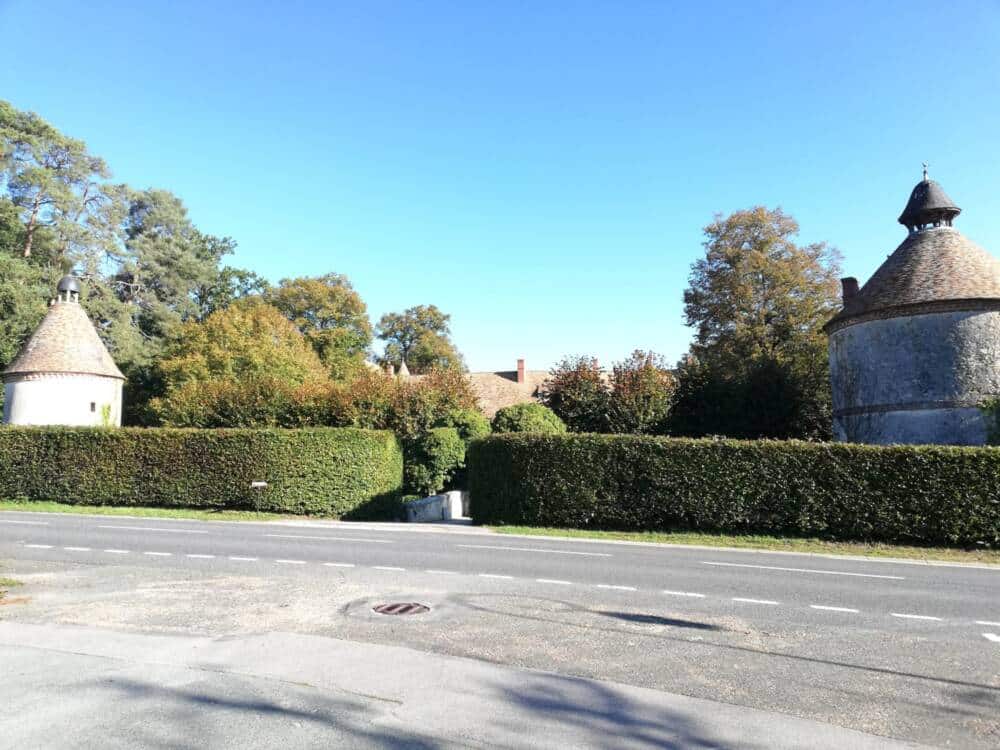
(925, 171)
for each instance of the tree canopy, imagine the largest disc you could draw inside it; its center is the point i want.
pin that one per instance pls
(758, 301)
(421, 337)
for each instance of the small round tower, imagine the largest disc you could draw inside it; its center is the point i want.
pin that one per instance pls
(64, 375)
(917, 349)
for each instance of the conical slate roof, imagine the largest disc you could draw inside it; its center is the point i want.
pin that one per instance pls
(934, 266)
(928, 201)
(65, 342)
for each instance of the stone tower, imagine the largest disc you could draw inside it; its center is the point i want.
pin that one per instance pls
(64, 374)
(917, 348)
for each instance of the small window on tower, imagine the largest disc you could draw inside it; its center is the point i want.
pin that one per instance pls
(93, 406)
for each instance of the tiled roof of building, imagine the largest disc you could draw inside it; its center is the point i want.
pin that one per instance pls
(496, 390)
(937, 264)
(927, 202)
(65, 342)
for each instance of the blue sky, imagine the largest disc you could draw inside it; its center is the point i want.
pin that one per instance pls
(540, 170)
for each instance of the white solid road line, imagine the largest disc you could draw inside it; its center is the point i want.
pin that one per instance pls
(685, 593)
(117, 551)
(329, 538)
(754, 601)
(616, 588)
(153, 528)
(339, 565)
(494, 575)
(39, 546)
(803, 570)
(77, 549)
(387, 567)
(26, 523)
(534, 549)
(158, 554)
(554, 580)
(832, 609)
(202, 557)
(987, 622)
(291, 562)
(244, 559)
(914, 617)
(992, 637)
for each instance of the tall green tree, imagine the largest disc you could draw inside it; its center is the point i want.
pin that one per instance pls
(421, 337)
(331, 315)
(61, 189)
(757, 301)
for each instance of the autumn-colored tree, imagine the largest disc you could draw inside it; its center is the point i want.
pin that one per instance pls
(642, 392)
(577, 392)
(757, 302)
(248, 342)
(421, 337)
(331, 315)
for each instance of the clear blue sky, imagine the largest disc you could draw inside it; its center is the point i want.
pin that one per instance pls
(540, 170)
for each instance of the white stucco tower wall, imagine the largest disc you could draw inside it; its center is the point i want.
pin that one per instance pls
(64, 375)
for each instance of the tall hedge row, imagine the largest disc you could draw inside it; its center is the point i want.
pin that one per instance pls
(904, 494)
(339, 472)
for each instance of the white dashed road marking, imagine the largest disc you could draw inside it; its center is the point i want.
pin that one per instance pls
(832, 609)
(534, 549)
(201, 557)
(117, 551)
(616, 588)
(158, 554)
(754, 601)
(329, 538)
(988, 623)
(494, 575)
(915, 617)
(443, 572)
(554, 581)
(387, 567)
(291, 562)
(685, 593)
(77, 549)
(992, 637)
(803, 570)
(39, 546)
(339, 565)
(154, 528)
(244, 559)
(26, 523)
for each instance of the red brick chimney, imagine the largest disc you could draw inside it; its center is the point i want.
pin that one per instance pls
(520, 371)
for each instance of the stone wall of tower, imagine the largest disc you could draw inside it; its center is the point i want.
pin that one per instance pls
(72, 400)
(915, 379)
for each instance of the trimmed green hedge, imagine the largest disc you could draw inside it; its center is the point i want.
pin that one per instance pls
(339, 472)
(904, 494)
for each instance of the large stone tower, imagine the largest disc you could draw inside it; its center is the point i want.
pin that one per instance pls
(64, 374)
(917, 348)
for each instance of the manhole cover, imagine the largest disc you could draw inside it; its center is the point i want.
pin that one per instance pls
(402, 608)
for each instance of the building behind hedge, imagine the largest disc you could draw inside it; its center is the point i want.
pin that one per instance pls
(916, 350)
(64, 375)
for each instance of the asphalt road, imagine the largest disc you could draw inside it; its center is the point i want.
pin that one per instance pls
(899, 649)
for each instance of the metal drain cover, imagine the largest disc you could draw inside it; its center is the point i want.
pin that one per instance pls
(402, 608)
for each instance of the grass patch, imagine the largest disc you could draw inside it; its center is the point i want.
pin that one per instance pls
(785, 544)
(197, 514)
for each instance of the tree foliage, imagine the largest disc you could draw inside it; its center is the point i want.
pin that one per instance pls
(528, 417)
(758, 301)
(577, 392)
(332, 317)
(421, 337)
(641, 394)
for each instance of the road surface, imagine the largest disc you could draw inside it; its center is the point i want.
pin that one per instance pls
(892, 649)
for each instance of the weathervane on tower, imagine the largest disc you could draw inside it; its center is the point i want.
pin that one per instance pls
(925, 171)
